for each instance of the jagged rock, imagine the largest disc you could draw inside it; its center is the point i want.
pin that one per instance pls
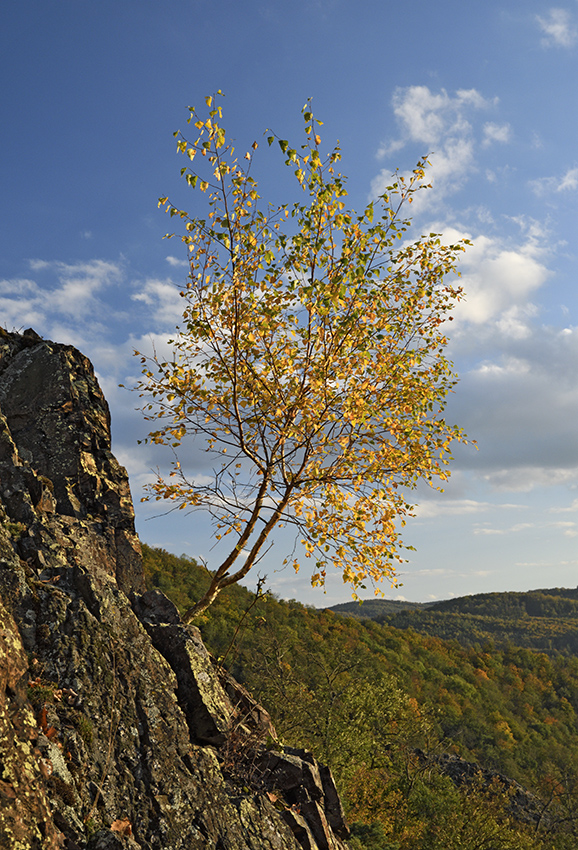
(309, 794)
(116, 728)
(58, 422)
(205, 705)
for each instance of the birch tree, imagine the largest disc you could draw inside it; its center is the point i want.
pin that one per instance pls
(310, 361)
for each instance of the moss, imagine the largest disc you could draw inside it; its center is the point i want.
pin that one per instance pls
(91, 827)
(86, 730)
(15, 529)
(40, 693)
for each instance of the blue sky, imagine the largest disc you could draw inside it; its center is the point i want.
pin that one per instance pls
(91, 93)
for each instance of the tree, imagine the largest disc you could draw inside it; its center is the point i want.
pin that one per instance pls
(310, 360)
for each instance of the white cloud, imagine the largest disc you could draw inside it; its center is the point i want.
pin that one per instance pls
(497, 279)
(21, 285)
(87, 304)
(524, 479)
(567, 528)
(509, 367)
(513, 529)
(496, 133)
(558, 28)
(448, 169)
(442, 125)
(164, 297)
(427, 117)
(77, 286)
(501, 278)
(549, 185)
(569, 180)
(514, 322)
(572, 507)
(19, 313)
(537, 143)
(430, 508)
(174, 261)
(518, 398)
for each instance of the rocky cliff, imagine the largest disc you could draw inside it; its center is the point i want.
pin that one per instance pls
(116, 729)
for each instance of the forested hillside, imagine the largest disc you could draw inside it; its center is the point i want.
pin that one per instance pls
(545, 620)
(381, 704)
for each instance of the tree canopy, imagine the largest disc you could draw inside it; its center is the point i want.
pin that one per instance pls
(309, 361)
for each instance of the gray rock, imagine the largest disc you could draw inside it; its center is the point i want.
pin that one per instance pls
(116, 728)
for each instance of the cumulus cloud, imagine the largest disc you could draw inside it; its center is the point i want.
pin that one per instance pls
(444, 126)
(502, 277)
(426, 117)
(20, 285)
(517, 395)
(163, 296)
(89, 303)
(498, 278)
(515, 322)
(558, 28)
(20, 308)
(522, 412)
(79, 285)
(73, 292)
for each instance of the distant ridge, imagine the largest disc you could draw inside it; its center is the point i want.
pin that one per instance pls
(545, 620)
(376, 609)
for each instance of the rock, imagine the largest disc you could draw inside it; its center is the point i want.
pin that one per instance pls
(25, 810)
(117, 730)
(59, 422)
(208, 711)
(309, 794)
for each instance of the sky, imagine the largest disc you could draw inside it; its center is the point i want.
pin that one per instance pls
(92, 91)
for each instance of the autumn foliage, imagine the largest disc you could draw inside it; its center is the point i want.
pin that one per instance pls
(310, 361)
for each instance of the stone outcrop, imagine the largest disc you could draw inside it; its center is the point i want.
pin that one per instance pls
(116, 729)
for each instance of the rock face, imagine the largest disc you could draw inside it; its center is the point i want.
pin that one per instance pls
(116, 729)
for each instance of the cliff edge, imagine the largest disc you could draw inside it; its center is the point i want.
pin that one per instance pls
(116, 729)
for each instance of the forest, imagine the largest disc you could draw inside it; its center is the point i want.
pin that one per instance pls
(446, 726)
(544, 620)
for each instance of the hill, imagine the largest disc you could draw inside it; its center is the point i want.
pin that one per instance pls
(377, 609)
(544, 620)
